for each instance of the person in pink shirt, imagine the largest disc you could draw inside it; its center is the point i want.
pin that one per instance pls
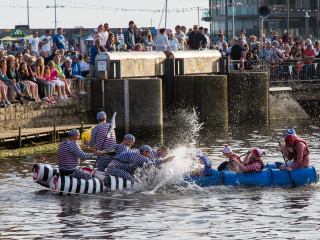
(60, 85)
(296, 150)
(309, 54)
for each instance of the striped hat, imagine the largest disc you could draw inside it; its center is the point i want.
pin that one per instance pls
(101, 115)
(74, 132)
(129, 137)
(290, 132)
(227, 149)
(145, 148)
(258, 152)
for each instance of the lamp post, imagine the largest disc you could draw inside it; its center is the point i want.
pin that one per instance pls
(55, 14)
(227, 29)
(165, 25)
(28, 13)
(317, 18)
(288, 20)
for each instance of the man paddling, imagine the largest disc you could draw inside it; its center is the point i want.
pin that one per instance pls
(252, 162)
(128, 141)
(104, 137)
(296, 150)
(128, 162)
(69, 155)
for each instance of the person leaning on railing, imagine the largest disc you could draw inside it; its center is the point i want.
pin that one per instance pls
(309, 55)
(269, 54)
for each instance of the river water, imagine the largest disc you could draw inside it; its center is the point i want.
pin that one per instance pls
(160, 209)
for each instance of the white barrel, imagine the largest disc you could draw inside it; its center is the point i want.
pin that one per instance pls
(117, 183)
(42, 173)
(71, 185)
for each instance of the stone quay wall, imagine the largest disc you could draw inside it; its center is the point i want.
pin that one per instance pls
(33, 114)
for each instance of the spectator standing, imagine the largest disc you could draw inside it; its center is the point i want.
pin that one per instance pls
(139, 37)
(196, 39)
(206, 34)
(59, 40)
(94, 50)
(173, 42)
(269, 54)
(162, 41)
(100, 34)
(121, 37)
(181, 37)
(225, 49)
(45, 42)
(237, 49)
(111, 46)
(129, 38)
(34, 44)
(22, 46)
(106, 31)
(147, 39)
(220, 40)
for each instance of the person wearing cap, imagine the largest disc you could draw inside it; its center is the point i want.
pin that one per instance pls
(252, 162)
(126, 163)
(296, 150)
(227, 151)
(69, 155)
(100, 139)
(126, 144)
(203, 160)
(22, 46)
(159, 153)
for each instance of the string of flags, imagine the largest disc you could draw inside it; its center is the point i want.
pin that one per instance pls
(175, 10)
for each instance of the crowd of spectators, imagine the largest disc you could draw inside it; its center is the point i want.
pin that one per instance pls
(41, 71)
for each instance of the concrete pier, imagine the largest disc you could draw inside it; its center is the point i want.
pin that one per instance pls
(137, 101)
(248, 94)
(208, 93)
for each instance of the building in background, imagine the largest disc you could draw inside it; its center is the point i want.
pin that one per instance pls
(243, 14)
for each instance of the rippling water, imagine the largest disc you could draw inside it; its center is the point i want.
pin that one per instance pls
(166, 211)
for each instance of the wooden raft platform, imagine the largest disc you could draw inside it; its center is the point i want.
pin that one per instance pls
(30, 133)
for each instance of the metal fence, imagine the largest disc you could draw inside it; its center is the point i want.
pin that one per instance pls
(286, 71)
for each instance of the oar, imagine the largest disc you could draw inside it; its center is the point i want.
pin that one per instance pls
(284, 159)
(91, 149)
(223, 165)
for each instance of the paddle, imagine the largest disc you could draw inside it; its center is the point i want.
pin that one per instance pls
(223, 165)
(284, 158)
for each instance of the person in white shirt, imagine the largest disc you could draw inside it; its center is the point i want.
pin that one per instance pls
(45, 42)
(162, 41)
(100, 34)
(173, 42)
(181, 37)
(34, 44)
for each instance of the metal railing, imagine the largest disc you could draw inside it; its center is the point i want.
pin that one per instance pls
(286, 71)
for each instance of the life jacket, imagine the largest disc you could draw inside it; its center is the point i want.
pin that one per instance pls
(251, 161)
(207, 165)
(235, 157)
(294, 153)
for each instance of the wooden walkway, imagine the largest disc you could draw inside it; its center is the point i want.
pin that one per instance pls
(30, 133)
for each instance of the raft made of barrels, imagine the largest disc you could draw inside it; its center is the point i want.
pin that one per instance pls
(48, 176)
(270, 176)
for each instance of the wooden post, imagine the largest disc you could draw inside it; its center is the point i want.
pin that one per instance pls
(20, 136)
(54, 133)
(80, 37)
(81, 129)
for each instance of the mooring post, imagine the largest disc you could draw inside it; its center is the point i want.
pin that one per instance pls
(19, 136)
(54, 133)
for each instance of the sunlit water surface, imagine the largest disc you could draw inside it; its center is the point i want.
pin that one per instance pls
(160, 209)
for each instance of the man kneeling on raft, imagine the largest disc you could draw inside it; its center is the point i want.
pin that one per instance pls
(252, 162)
(227, 151)
(69, 155)
(128, 162)
(296, 150)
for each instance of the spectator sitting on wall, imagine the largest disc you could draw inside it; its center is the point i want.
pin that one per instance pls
(94, 50)
(84, 64)
(196, 39)
(76, 71)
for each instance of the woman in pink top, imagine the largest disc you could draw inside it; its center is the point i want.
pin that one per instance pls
(309, 54)
(59, 84)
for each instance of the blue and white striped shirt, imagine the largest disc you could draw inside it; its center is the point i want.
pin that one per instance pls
(120, 148)
(100, 139)
(69, 155)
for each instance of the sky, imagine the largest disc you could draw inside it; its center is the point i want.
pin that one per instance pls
(91, 13)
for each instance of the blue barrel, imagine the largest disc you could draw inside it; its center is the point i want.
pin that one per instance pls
(300, 176)
(214, 179)
(253, 179)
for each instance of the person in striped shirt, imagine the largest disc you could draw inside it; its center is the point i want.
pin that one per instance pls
(102, 142)
(69, 155)
(252, 162)
(128, 162)
(126, 144)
